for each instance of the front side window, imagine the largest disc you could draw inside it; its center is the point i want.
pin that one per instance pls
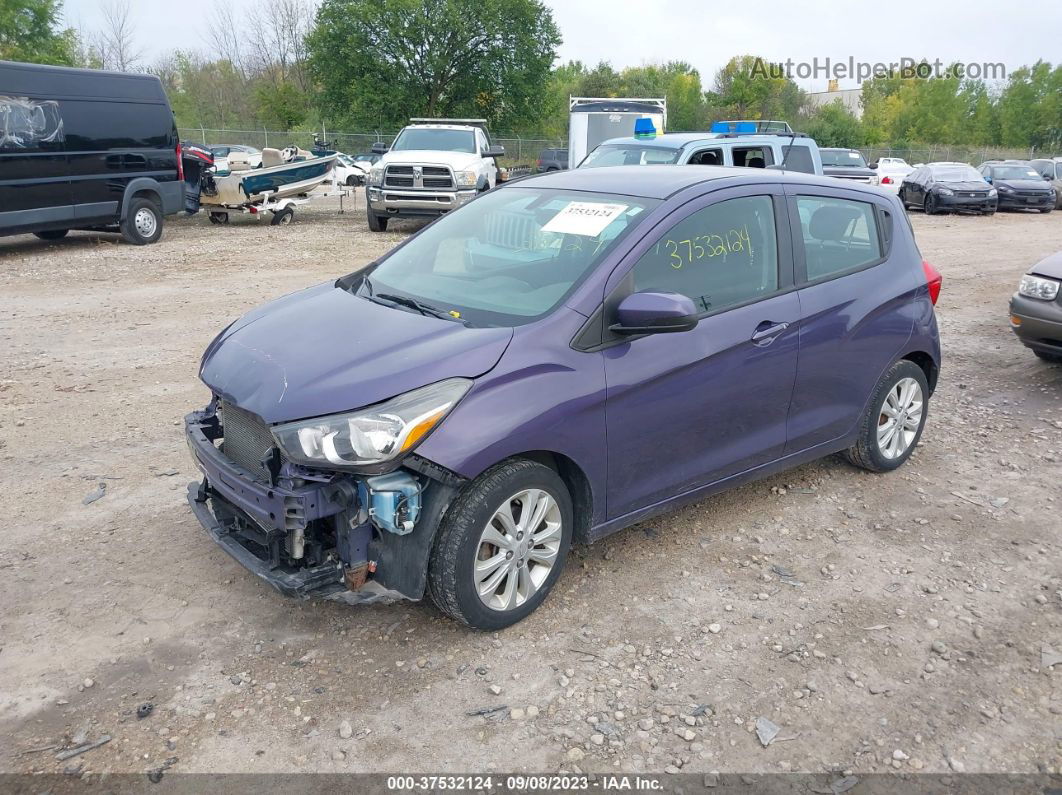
(722, 255)
(798, 158)
(509, 257)
(839, 235)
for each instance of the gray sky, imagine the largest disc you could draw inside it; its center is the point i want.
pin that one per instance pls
(707, 34)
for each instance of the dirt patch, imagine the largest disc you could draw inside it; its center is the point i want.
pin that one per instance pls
(881, 622)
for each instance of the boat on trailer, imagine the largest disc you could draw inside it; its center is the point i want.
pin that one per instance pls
(284, 180)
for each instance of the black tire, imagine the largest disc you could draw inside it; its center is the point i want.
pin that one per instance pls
(903, 198)
(352, 181)
(866, 452)
(1053, 358)
(989, 213)
(136, 228)
(929, 206)
(1046, 210)
(52, 234)
(451, 581)
(377, 223)
(219, 218)
(282, 217)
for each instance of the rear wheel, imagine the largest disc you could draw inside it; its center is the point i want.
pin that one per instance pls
(377, 223)
(219, 218)
(52, 234)
(894, 421)
(502, 545)
(142, 223)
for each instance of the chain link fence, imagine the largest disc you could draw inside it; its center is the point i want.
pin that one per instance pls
(519, 150)
(974, 155)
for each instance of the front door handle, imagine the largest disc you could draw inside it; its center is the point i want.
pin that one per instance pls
(767, 331)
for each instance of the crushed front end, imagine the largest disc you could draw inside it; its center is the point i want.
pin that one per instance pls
(307, 531)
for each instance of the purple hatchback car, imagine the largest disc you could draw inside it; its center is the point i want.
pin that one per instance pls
(561, 358)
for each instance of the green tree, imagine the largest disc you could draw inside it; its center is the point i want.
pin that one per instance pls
(380, 61)
(280, 105)
(29, 31)
(1030, 107)
(748, 88)
(835, 125)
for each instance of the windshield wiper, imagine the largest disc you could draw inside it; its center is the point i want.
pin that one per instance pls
(413, 303)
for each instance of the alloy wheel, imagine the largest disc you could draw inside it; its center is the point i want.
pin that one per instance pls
(900, 417)
(517, 549)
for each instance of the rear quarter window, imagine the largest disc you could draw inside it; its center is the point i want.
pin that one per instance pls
(798, 158)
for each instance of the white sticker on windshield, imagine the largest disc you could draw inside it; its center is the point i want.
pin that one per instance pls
(584, 218)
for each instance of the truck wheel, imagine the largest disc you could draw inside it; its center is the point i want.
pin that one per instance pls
(377, 223)
(52, 234)
(219, 218)
(143, 223)
(894, 419)
(502, 545)
(282, 217)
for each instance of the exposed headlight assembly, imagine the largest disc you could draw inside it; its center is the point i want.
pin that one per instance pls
(944, 191)
(372, 435)
(992, 192)
(1038, 287)
(1005, 189)
(466, 179)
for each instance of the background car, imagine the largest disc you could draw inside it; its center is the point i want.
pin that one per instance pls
(1019, 185)
(1036, 309)
(943, 187)
(552, 160)
(891, 172)
(847, 164)
(1050, 170)
(352, 171)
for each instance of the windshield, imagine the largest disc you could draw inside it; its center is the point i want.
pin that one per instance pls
(956, 174)
(434, 139)
(367, 158)
(1014, 172)
(510, 256)
(842, 157)
(629, 155)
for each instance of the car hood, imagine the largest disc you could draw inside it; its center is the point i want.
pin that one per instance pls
(455, 160)
(325, 350)
(1049, 266)
(1023, 184)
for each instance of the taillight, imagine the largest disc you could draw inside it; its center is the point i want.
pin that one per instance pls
(886, 180)
(180, 162)
(933, 281)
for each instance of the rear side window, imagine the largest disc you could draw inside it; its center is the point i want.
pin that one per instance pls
(753, 156)
(722, 255)
(92, 126)
(839, 235)
(798, 158)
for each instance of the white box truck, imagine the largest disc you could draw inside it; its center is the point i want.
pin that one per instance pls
(592, 120)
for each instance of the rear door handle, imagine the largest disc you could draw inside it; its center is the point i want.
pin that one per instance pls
(767, 335)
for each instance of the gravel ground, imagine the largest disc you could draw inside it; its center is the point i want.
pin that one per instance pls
(882, 622)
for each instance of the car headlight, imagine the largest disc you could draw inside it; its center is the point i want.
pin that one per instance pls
(992, 192)
(375, 175)
(1038, 287)
(945, 191)
(372, 435)
(1005, 189)
(466, 179)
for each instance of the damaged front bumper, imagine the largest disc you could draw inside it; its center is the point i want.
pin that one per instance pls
(310, 533)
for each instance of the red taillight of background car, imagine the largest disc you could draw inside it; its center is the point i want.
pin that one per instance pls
(933, 281)
(886, 180)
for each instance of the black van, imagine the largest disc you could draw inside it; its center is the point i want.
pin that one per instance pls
(85, 149)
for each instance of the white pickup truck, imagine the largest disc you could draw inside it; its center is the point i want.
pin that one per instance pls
(433, 166)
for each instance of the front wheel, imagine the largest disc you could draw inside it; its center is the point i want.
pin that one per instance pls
(143, 223)
(1046, 209)
(502, 545)
(930, 205)
(377, 223)
(894, 421)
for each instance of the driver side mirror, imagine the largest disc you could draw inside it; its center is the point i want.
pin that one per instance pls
(494, 151)
(1047, 177)
(873, 165)
(654, 313)
(379, 148)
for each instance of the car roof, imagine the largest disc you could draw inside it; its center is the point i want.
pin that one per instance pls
(837, 149)
(659, 182)
(684, 139)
